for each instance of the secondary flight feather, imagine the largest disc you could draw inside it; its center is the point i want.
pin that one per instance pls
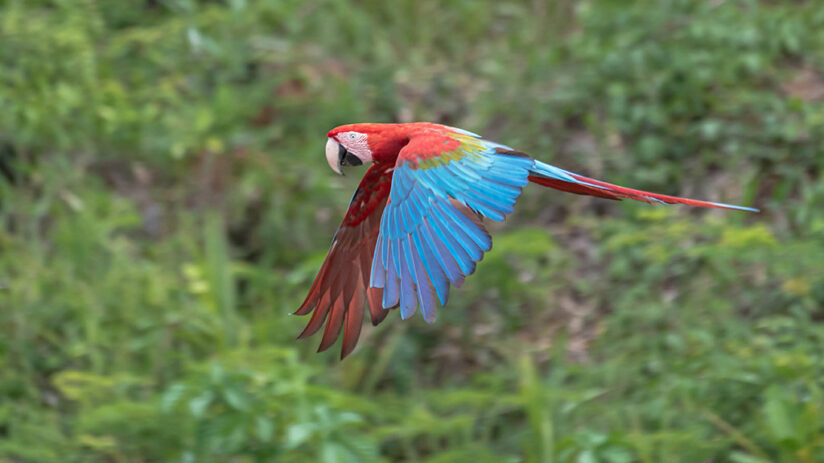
(413, 229)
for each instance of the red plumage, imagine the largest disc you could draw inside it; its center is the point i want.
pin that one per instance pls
(340, 289)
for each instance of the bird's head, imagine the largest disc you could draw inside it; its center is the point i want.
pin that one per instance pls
(347, 146)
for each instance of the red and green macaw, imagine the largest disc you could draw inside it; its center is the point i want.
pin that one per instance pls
(413, 228)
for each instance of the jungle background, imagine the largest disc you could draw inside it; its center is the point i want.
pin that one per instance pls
(165, 204)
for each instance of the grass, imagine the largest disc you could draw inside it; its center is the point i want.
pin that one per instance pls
(165, 204)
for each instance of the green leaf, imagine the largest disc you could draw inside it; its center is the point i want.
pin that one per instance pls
(264, 428)
(297, 434)
(199, 404)
(740, 457)
(172, 396)
(778, 416)
(236, 398)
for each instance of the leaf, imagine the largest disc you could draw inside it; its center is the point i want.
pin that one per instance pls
(587, 456)
(236, 398)
(171, 396)
(348, 417)
(777, 416)
(199, 404)
(617, 455)
(297, 434)
(740, 457)
(264, 428)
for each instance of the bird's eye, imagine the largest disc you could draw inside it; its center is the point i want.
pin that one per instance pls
(351, 136)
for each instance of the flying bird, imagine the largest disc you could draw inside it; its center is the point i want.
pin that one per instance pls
(413, 228)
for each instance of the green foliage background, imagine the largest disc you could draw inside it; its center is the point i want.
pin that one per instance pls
(165, 204)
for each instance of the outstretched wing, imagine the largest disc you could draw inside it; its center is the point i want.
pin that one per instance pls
(431, 235)
(340, 291)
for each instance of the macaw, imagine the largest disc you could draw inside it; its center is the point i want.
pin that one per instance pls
(413, 228)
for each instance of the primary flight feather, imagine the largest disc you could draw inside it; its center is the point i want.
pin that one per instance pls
(413, 228)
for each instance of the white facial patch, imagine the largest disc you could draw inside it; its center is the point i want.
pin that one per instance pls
(355, 143)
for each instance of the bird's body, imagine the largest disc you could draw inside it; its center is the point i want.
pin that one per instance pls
(413, 228)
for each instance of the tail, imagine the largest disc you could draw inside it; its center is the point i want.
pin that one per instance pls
(560, 179)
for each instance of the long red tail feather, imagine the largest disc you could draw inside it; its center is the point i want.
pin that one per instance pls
(606, 190)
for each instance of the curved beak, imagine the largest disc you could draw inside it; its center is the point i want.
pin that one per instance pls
(337, 156)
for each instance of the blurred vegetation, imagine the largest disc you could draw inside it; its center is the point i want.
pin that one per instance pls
(165, 204)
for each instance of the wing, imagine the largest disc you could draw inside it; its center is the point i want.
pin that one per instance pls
(340, 291)
(560, 179)
(431, 235)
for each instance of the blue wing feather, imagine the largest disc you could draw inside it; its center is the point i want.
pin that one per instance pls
(436, 274)
(447, 223)
(454, 250)
(446, 259)
(478, 237)
(425, 299)
(391, 292)
(430, 238)
(408, 294)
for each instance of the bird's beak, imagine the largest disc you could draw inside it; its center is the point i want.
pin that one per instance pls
(333, 157)
(337, 156)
